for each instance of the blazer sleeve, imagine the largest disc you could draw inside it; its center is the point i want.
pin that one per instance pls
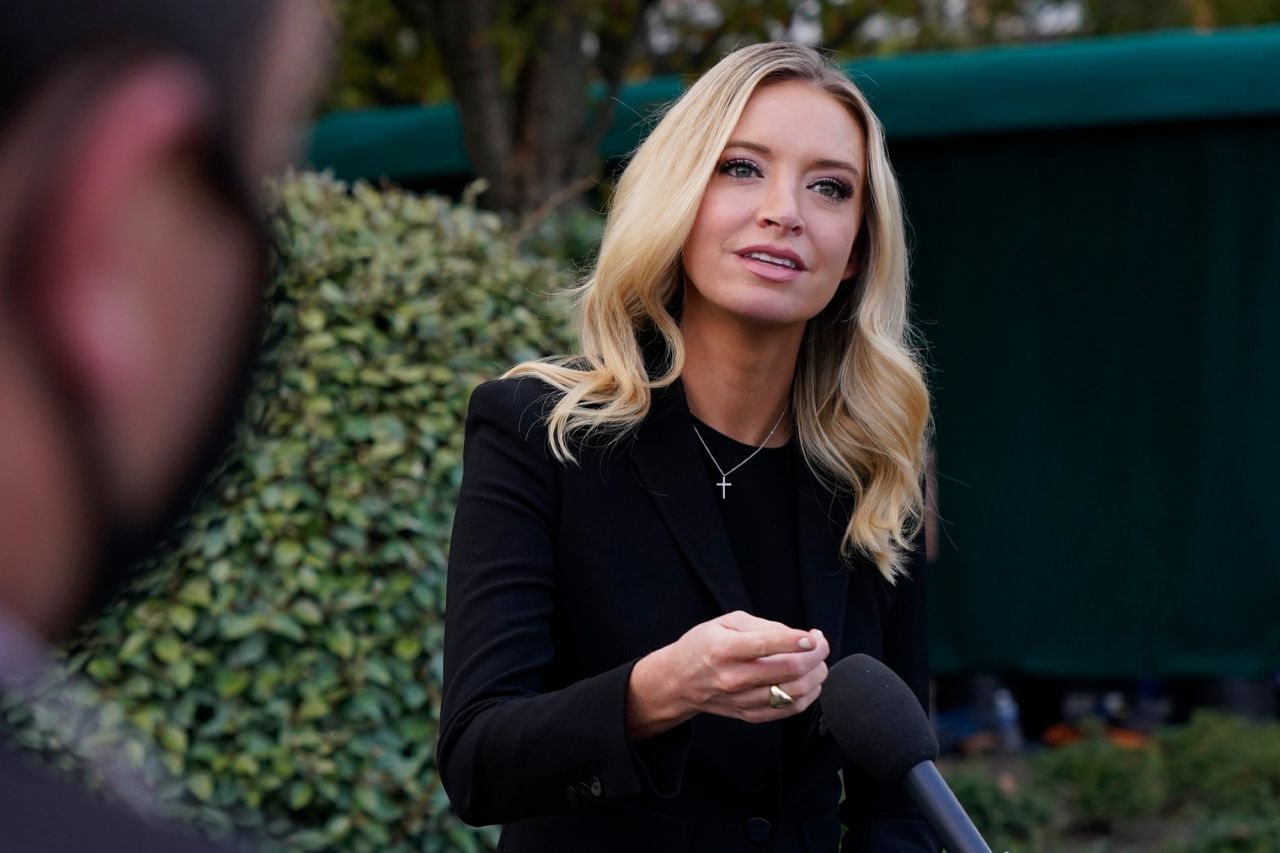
(880, 821)
(509, 746)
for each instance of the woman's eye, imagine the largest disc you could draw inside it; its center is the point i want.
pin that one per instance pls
(739, 169)
(833, 189)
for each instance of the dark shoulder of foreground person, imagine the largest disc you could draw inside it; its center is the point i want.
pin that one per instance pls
(40, 813)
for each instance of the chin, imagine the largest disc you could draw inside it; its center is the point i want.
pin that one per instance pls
(769, 310)
(770, 318)
(767, 307)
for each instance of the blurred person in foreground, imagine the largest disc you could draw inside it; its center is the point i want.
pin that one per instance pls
(133, 138)
(661, 541)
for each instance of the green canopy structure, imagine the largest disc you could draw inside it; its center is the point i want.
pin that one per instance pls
(1096, 257)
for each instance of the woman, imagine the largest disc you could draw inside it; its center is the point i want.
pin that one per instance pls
(660, 542)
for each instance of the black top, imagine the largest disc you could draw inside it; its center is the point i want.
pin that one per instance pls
(562, 576)
(759, 512)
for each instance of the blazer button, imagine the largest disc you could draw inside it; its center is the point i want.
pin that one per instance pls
(596, 788)
(758, 829)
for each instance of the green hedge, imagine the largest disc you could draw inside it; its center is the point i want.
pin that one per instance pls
(1225, 765)
(1211, 786)
(282, 664)
(1103, 783)
(1010, 814)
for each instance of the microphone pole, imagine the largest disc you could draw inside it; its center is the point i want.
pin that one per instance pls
(943, 811)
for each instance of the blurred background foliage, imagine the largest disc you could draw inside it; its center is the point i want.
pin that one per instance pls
(1211, 786)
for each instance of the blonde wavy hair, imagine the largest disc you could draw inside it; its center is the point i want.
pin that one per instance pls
(859, 399)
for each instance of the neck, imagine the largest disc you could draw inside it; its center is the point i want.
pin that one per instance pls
(738, 380)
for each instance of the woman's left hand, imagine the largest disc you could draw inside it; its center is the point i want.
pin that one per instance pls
(727, 666)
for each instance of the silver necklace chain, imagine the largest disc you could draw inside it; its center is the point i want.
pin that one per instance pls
(724, 483)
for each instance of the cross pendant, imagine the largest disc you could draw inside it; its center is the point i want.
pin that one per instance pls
(723, 484)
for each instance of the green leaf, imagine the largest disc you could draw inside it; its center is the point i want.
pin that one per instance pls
(285, 626)
(266, 679)
(341, 642)
(102, 669)
(133, 646)
(182, 673)
(201, 786)
(249, 652)
(214, 544)
(300, 794)
(414, 695)
(287, 554)
(307, 612)
(313, 707)
(239, 627)
(231, 683)
(245, 765)
(182, 618)
(407, 648)
(377, 672)
(174, 739)
(167, 648)
(311, 319)
(338, 827)
(220, 572)
(375, 802)
(197, 592)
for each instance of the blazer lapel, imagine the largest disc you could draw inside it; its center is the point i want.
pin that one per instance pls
(667, 459)
(824, 574)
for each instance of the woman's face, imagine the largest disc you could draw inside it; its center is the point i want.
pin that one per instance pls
(774, 234)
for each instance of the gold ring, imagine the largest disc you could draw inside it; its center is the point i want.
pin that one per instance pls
(779, 698)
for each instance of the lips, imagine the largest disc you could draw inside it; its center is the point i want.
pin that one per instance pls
(772, 263)
(776, 255)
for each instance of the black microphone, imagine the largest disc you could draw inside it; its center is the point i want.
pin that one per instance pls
(880, 725)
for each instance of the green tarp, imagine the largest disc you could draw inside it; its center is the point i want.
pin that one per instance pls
(1096, 232)
(1103, 311)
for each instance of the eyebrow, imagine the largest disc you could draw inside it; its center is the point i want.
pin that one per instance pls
(823, 163)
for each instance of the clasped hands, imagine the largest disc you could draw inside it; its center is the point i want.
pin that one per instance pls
(726, 666)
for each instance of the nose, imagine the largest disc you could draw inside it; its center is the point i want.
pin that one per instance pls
(779, 208)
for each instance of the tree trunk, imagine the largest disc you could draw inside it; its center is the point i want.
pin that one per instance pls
(550, 108)
(531, 140)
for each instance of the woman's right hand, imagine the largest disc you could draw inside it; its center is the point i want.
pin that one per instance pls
(725, 667)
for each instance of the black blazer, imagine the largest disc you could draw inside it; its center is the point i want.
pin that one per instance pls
(561, 577)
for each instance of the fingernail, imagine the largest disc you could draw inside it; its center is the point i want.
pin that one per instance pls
(806, 643)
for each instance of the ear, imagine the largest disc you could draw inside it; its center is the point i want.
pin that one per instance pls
(85, 254)
(857, 253)
(851, 269)
(854, 266)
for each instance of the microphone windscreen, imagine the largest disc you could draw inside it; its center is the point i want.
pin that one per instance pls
(876, 719)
